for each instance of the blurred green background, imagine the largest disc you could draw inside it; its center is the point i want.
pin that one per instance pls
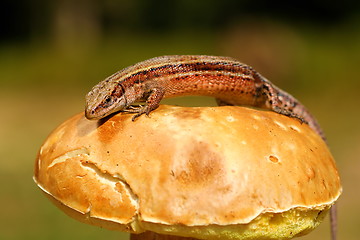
(53, 52)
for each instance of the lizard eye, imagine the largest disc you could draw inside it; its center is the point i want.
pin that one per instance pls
(108, 101)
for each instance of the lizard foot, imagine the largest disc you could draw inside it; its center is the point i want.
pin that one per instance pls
(288, 113)
(138, 109)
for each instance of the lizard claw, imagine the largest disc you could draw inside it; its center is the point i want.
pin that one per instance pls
(134, 108)
(144, 110)
(138, 115)
(138, 109)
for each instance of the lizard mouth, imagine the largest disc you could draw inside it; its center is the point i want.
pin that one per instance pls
(101, 111)
(92, 115)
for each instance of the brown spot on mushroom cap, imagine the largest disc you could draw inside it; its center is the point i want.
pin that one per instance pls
(273, 159)
(203, 165)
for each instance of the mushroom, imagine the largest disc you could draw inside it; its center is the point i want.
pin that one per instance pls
(203, 172)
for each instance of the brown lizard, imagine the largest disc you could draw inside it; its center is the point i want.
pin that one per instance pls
(228, 80)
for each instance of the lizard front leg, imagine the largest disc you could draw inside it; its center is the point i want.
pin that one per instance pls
(153, 98)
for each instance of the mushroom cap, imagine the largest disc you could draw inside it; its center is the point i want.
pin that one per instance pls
(205, 172)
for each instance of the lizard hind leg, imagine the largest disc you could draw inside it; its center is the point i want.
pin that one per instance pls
(287, 111)
(282, 102)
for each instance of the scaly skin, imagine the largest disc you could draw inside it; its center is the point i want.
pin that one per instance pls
(229, 81)
(226, 79)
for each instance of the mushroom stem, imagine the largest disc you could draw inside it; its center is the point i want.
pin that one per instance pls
(155, 236)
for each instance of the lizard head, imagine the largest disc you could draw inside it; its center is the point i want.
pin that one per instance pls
(104, 99)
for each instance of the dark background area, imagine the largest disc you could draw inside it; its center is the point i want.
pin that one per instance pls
(53, 52)
(24, 20)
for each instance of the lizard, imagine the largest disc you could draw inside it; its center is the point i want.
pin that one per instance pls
(228, 80)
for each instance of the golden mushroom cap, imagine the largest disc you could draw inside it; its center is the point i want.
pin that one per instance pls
(205, 172)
